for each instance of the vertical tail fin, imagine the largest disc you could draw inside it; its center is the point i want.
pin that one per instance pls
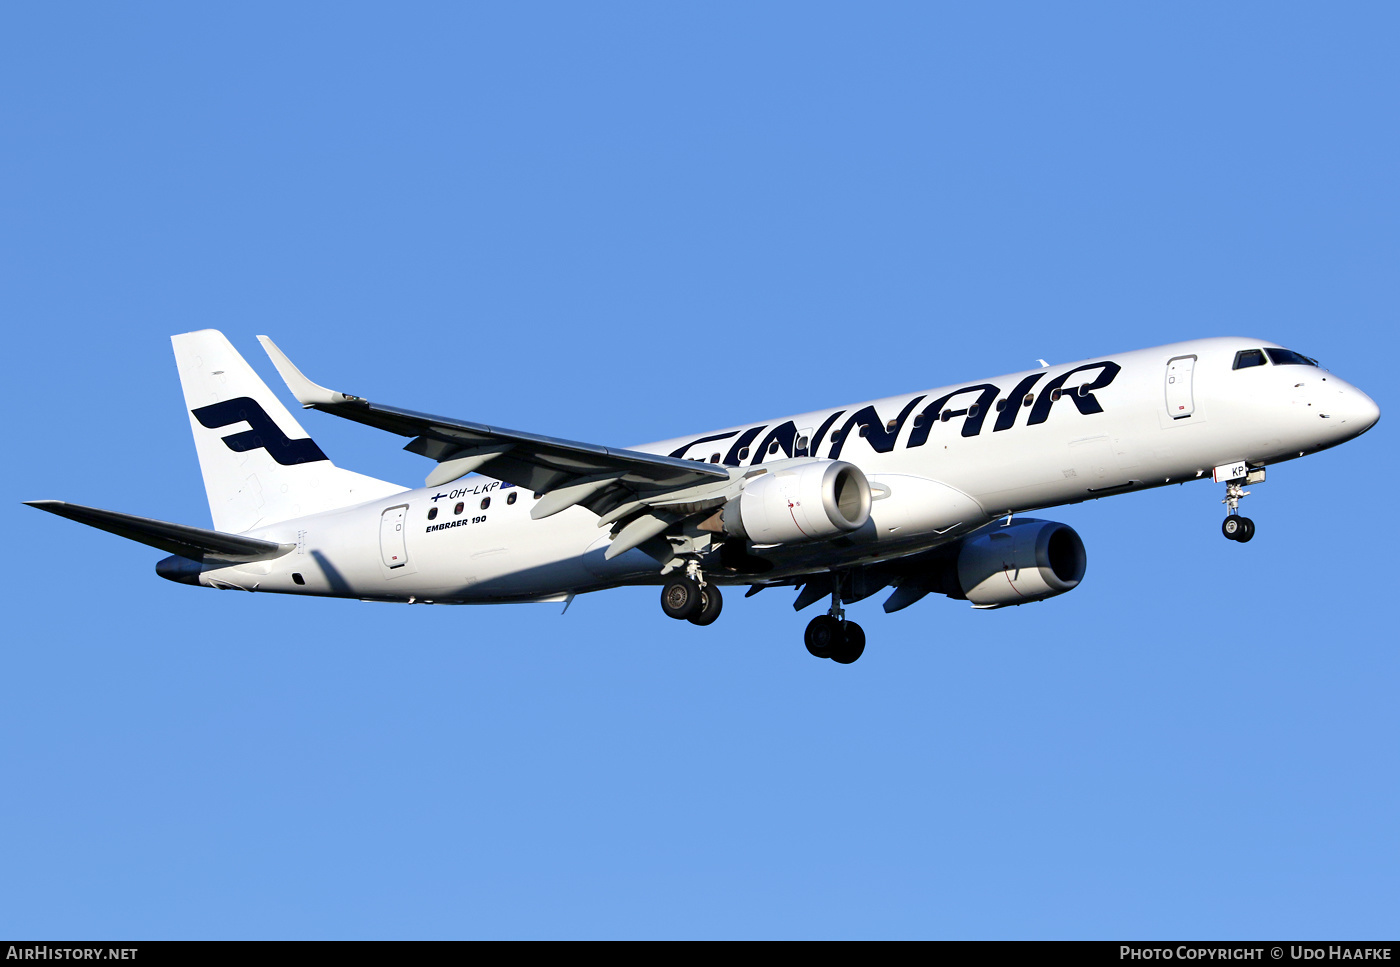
(259, 465)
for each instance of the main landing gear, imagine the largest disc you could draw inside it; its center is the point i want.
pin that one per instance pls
(1235, 527)
(688, 597)
(831, 636)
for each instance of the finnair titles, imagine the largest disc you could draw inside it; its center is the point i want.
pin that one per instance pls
(920, 493)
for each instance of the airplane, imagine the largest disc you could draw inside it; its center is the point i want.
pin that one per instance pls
(923, 492)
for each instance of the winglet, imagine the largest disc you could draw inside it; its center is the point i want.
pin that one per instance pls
(309, 394)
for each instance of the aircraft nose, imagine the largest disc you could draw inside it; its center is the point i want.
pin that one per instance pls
(1356, 411)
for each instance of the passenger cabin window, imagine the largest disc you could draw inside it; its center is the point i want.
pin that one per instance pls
(432, 512)
(511, 498)
(1287, 357)
(458, 508)
(744, 453)
(1246, 358)
(485, 502)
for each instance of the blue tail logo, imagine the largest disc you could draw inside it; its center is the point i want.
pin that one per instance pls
(264, 434)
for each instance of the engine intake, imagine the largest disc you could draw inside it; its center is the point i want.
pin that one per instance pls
(1029, 561)
(810, 500)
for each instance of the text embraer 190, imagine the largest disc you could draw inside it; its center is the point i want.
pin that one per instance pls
(917, 492)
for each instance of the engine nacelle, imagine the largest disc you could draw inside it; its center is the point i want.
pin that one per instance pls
(811, 500)
(1029, 561)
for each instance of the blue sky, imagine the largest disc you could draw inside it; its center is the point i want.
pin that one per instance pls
(621, 223)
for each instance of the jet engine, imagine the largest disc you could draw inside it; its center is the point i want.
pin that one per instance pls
(808, 500)
(1028, 561)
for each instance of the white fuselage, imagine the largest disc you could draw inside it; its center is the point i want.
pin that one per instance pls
(941, 463)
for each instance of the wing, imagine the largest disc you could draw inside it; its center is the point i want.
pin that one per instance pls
(611, 482)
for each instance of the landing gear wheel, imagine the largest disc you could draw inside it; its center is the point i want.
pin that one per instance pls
(851, 647)
(823, 634)
(681, 598)
(1246, 532)
(710, 604)
(1233, 526)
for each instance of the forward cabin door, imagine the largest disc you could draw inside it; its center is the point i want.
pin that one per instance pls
(391, 542)
(1180, 403)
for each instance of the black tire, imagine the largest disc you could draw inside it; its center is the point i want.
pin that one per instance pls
(853, 645)
(1246, 530)
(711, 601)
(823, 634)
(680, 598)
(1232, 527)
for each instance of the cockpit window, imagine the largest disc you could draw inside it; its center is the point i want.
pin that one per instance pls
(1246, 358)
(1287, 357)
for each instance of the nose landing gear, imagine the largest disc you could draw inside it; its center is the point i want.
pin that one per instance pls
(831, 636)
(1235, 527)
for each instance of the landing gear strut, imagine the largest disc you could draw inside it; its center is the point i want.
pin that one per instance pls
(1235, 527)
(831, 636)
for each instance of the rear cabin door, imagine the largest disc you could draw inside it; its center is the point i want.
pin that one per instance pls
(391, 542)
(1180, 403)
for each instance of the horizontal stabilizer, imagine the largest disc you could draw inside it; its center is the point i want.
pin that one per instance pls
(194, 543)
